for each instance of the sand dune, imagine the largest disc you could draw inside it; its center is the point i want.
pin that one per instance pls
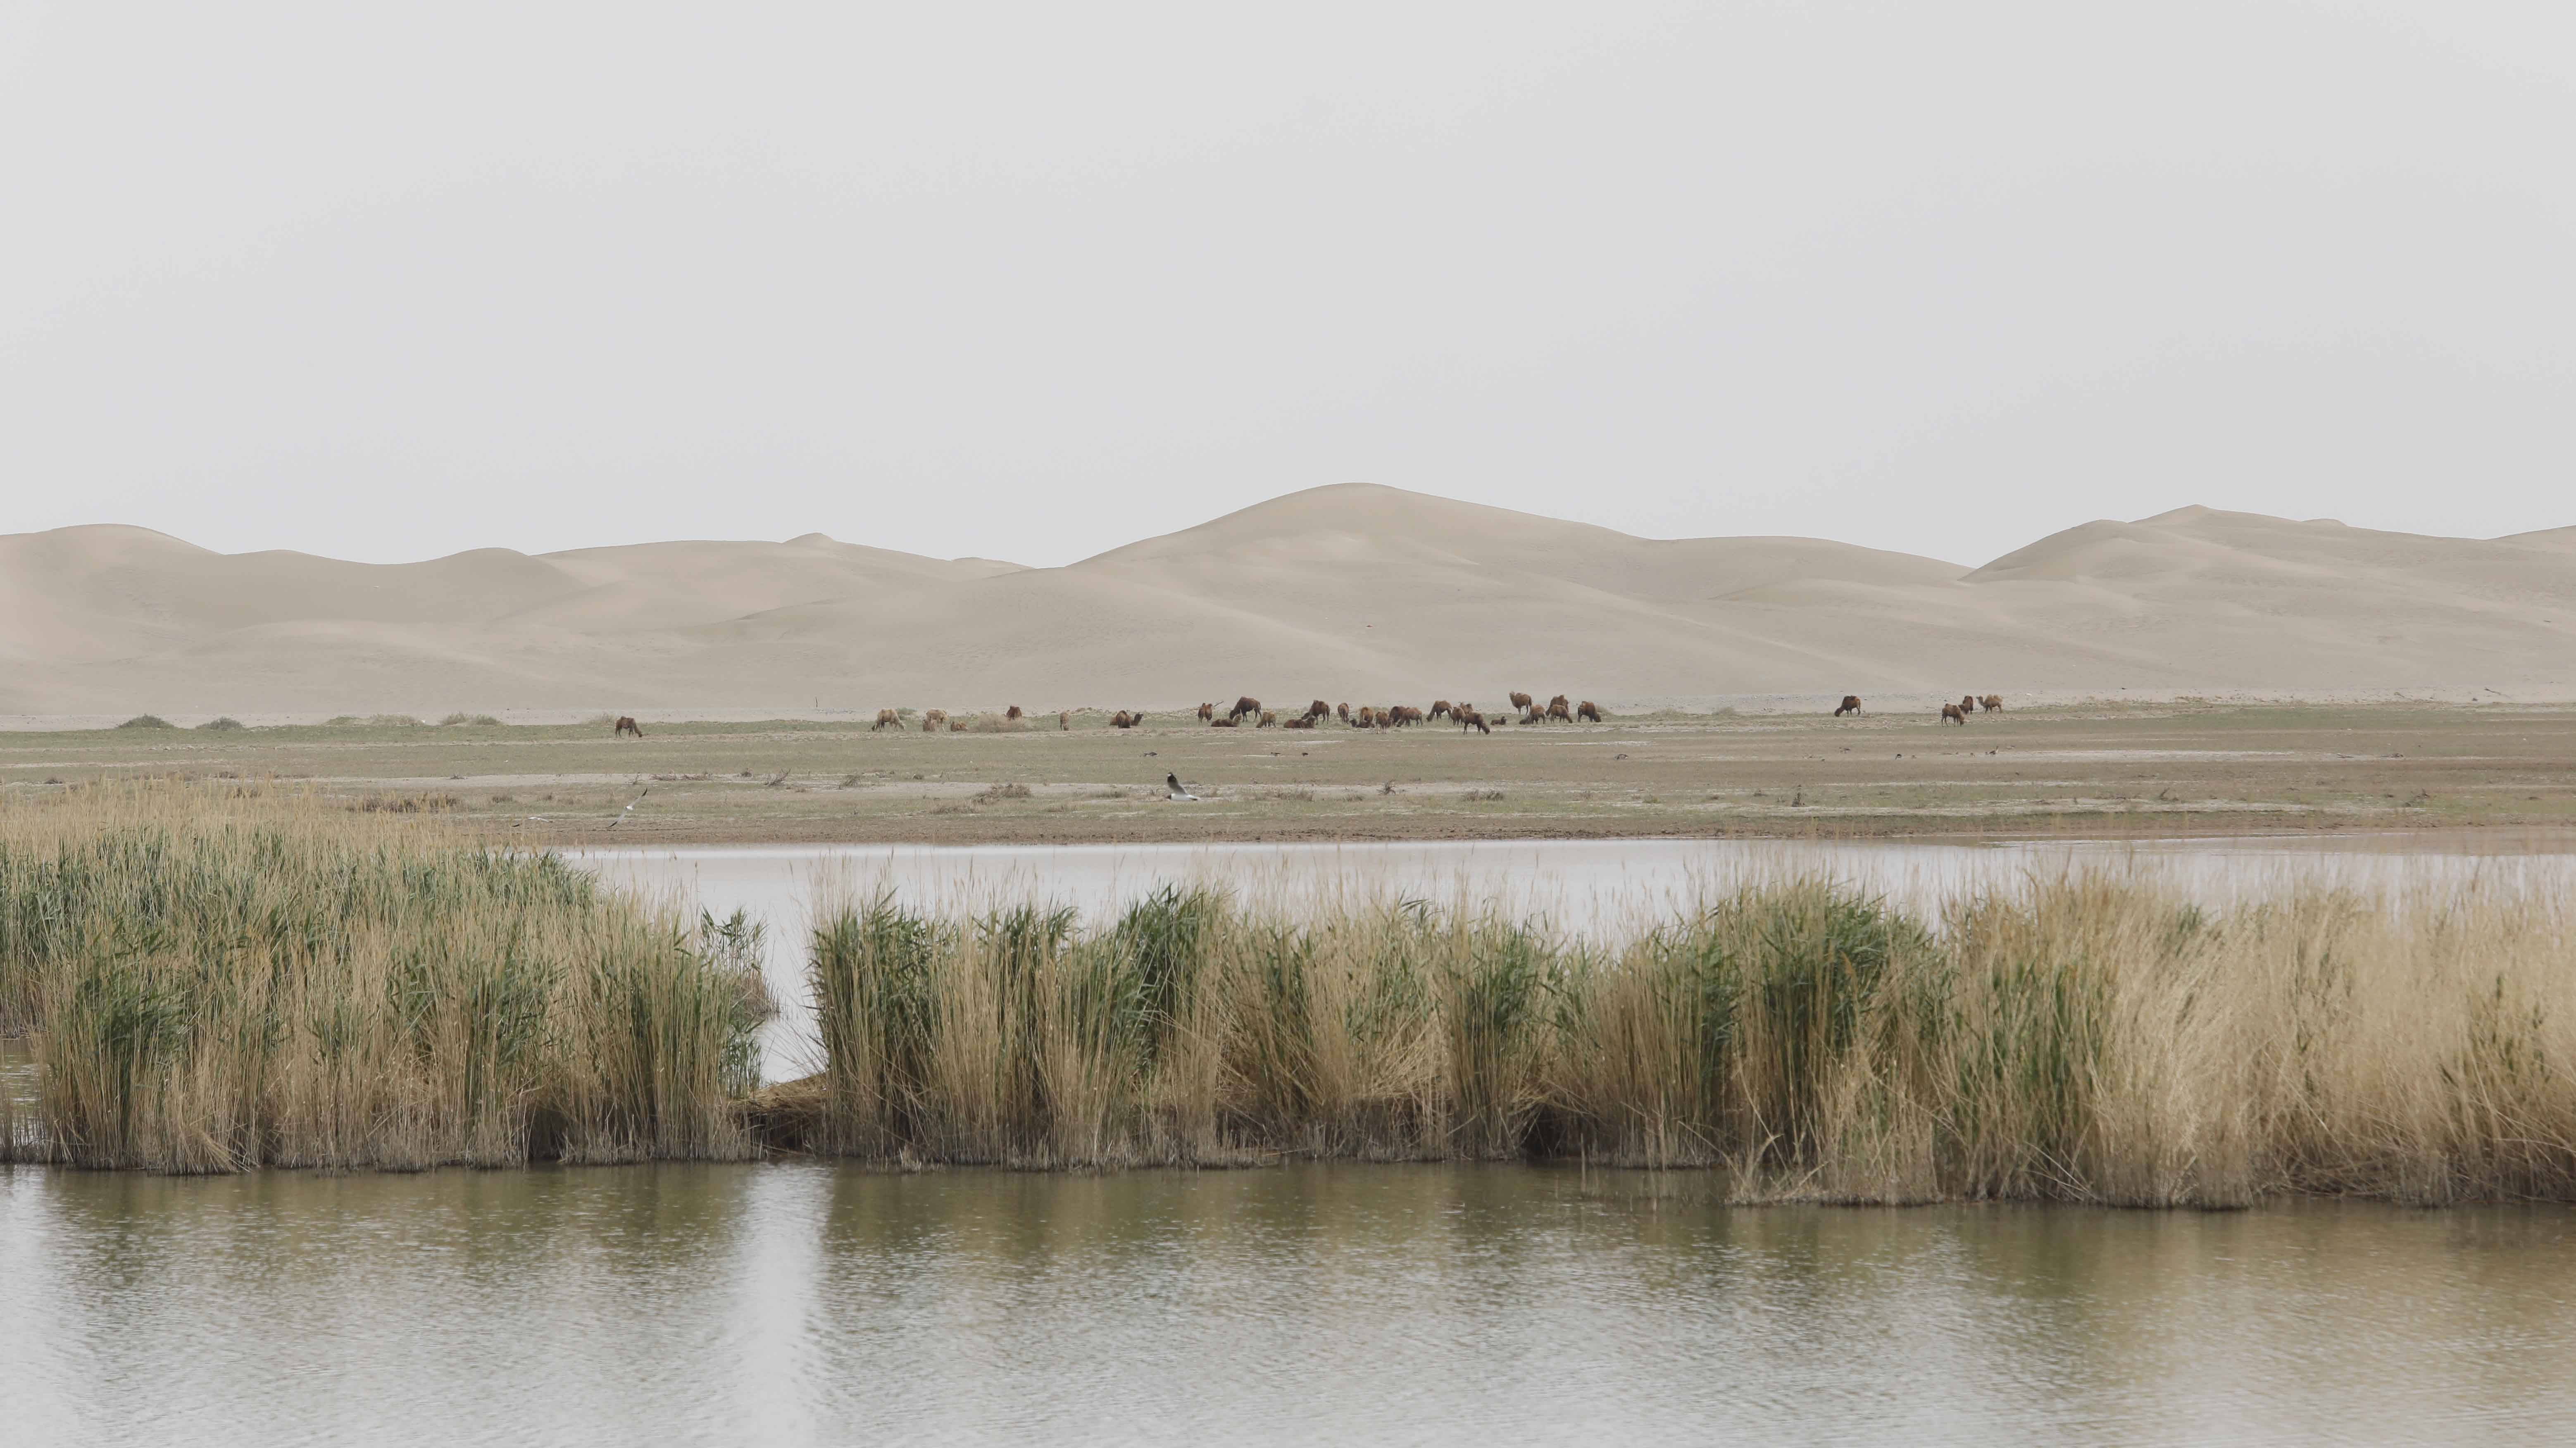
(1348, 592)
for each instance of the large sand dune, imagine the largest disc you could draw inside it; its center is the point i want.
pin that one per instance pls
(1352, 592)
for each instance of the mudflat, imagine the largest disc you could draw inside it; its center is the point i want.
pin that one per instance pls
(2079, 770)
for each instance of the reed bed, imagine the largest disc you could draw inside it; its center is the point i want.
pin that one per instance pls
(215, 981)
(2088, 1037)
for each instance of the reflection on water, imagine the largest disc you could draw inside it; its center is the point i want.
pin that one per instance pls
(819, 1304)
(1579, 884)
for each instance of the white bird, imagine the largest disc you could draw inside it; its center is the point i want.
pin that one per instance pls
(630, 809)
(1172, 782)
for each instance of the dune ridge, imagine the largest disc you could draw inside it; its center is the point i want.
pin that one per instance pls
(1350, 591)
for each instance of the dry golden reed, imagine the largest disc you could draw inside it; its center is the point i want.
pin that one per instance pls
(218, 981)
(2090, 1038)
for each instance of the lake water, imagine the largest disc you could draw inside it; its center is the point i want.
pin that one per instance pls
(1580, 884)
(814, 1304)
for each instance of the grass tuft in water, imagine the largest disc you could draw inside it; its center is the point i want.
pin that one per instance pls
(218, 982)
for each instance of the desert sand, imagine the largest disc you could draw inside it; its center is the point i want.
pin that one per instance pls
(1352, 592)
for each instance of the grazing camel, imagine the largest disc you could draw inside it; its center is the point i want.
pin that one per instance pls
(1561, 707)
(1363, 717)
(1992, 703)
(1245, 705)
(1406, 714)
(886, 719)
(1953, 711)
(1318, 709)
(1440, 708)
(1269, 719)
(1470, 719)
(932, 719)
(1588, 710)
(1344, 710)
(1064, 719)
(1013, 713)
(1850, 705)
(626, 725)
(1520, 700)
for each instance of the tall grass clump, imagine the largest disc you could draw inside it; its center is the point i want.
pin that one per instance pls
(2092, 1037)
(218, 982)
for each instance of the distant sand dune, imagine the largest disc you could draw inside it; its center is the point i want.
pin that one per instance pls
(1349, 592)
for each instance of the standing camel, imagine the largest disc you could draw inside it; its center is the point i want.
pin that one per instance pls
(1951, 712)
(1850, 705)
(626, 725)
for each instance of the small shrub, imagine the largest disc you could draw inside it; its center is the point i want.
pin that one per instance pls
(406, 804)
(994, 793)
(479, 720)
(223, 725)
(145, 721)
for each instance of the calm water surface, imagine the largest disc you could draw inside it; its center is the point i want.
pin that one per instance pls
(798, 1304)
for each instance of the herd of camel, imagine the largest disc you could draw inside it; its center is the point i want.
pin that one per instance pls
(1367, 716)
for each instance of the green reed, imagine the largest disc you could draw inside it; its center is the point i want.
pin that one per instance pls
(2087, 1039)
(218, 982)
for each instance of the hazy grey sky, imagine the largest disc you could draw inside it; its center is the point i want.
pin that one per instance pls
(387, 282)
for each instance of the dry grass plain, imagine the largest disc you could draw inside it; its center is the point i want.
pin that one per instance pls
(2085, 770)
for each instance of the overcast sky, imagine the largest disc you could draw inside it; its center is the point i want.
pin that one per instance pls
(388, 283)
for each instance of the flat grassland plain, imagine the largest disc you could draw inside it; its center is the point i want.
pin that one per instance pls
(2085, 770)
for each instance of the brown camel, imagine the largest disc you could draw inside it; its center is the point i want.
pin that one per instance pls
(1245, 705)
(1440, 708)
(626, 725)
(1318, 709)
(1406, 714)
(1850, 705)
(1470, 719)
(1967, 703)
(1269, 719)
(1302, 721)
(1520, 700)
(931, 720)
(1363, 717)
(1206, 712)
(886, 719)
(1561, 707)
(1227, 722)
(1013, 712)
(956, 726)
(1344, 710)
(1953, 711)
(1064, 719)
(1991, 703)
(1588, 710)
